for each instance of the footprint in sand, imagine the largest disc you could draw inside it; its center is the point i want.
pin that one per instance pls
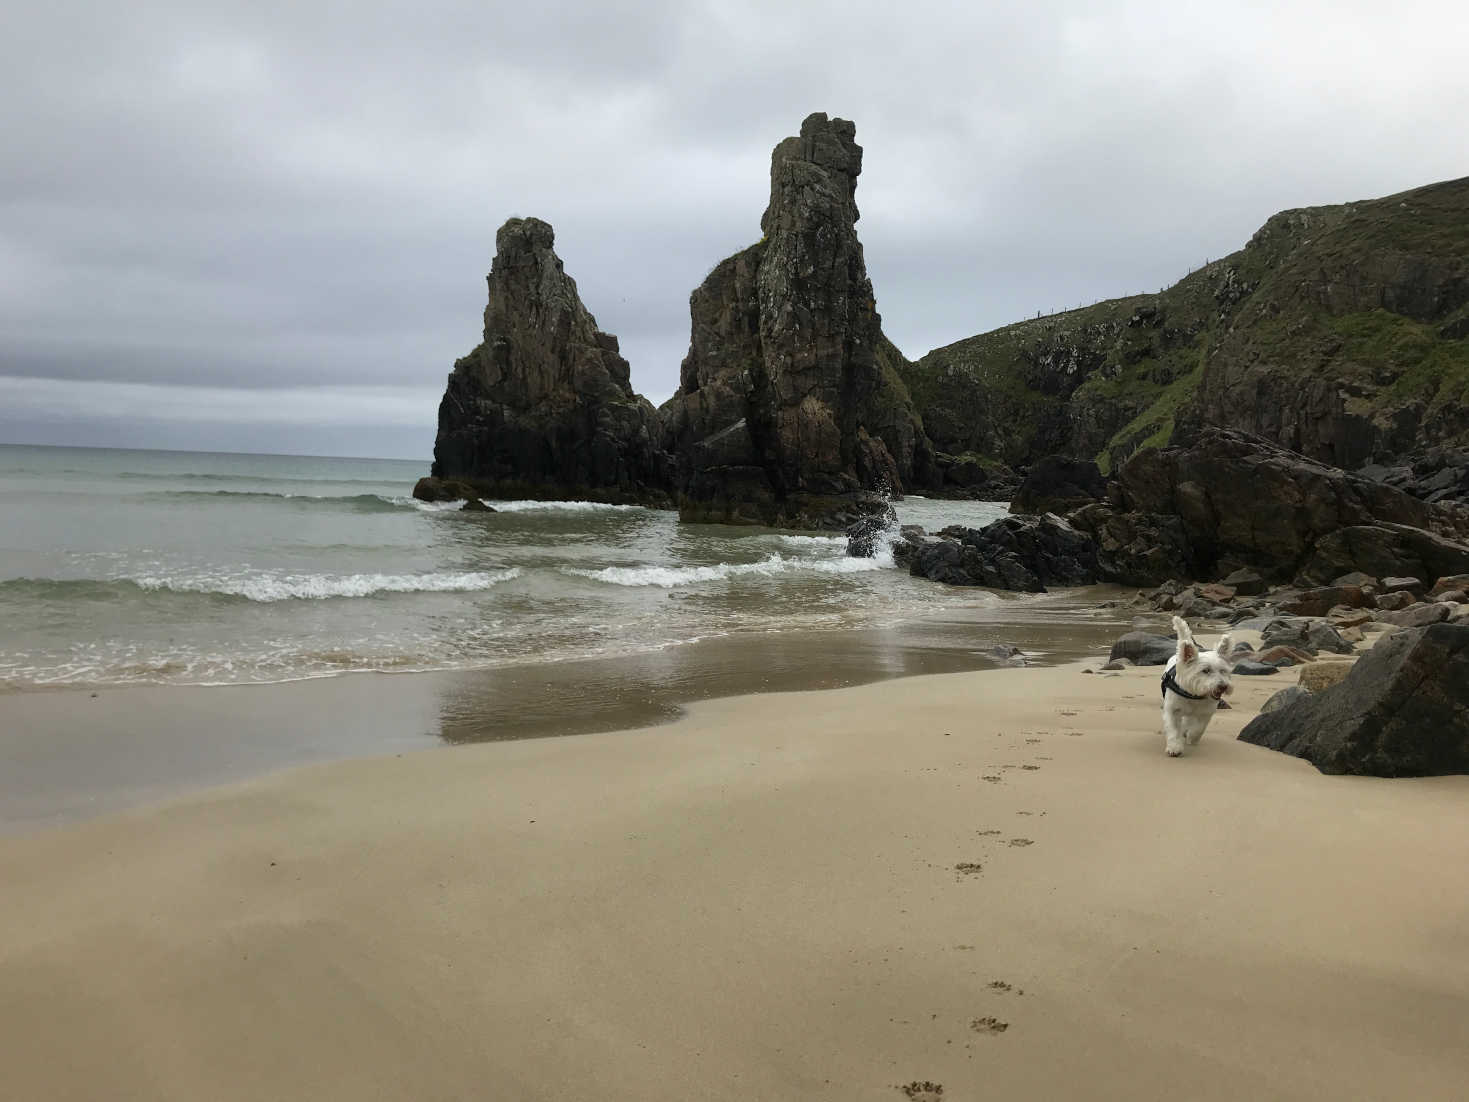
(1020, 842)
(989, 1025)
(1032, 740)
(968, 868)
(999, 985)
(1064, 712)
(921, 1090)
(985, 833)
(1076, 734)
(993, 778)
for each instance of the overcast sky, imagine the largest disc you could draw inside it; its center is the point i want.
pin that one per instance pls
(265, 226)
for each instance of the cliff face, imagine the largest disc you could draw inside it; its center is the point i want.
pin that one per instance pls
(1339, 332)
(791, 403)
(544, 408)
(1352, 346)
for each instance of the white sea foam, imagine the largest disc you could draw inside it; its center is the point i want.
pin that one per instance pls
(422, 506)
(813, 541)
(285, 587)
(558, 506)
(668, 577)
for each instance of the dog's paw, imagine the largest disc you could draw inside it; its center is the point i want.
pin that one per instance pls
(1174, 753)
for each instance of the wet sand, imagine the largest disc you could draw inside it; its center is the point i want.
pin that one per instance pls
(992, 881)
(72, 754)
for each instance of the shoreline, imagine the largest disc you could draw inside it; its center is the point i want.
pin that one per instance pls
(75, 753)
(994, 881)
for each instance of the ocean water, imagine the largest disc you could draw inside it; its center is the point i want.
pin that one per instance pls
(120, 566)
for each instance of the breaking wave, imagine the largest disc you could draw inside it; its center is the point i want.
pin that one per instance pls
(380, 503)
(257, 587)
(668, 577)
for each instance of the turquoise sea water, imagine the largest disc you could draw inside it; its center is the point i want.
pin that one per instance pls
(121, 566)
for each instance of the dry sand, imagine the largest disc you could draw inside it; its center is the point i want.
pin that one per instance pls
(991, 881)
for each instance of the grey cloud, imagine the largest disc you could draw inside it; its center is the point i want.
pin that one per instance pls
(270, 195)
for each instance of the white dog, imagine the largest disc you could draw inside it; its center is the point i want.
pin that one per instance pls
(1194, 682)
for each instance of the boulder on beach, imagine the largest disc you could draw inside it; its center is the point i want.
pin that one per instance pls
(1401, 711)
(1144, 648)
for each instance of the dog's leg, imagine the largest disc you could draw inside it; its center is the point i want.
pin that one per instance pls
(1173, 740)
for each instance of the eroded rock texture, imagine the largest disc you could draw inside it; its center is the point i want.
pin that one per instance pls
(790, 409)
(1244, 501)
(1402, 711)
(544, 408)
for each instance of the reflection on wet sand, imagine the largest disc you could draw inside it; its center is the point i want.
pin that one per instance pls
(638, 690)
(75, 754)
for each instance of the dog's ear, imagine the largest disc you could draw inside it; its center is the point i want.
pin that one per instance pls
(1225, 647)
(1187, 649)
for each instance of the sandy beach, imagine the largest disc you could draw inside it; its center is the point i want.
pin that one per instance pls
(992, 881)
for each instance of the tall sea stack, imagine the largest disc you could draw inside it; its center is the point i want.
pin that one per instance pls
(790, 409)
(544, 408)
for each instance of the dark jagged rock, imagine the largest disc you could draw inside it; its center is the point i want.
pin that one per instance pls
(865, 536)
(969, 476)
(1020, 553)
(1143, 648)
(1055, 484)
(1318, 602)
(790, 403)
(1137, 548)
(1246, 582)
(1283, 699)
(1438, 474)
(1248, 502)
(1307, 635)
(429, 488)
(1250, 668)
(1402, 711)
(1386, 549)
(1449, 582)
(1418, 615)
(544, 408)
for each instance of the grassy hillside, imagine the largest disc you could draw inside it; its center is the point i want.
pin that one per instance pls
(1340, 331)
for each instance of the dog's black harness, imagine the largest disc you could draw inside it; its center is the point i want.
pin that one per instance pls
(1170, 683)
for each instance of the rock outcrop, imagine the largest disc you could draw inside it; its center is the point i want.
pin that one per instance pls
(1233, 500)
(1402, 711)
(1234, 505)
(1056, 484)
(544, 408)
(1020, 553)
(1340, 332)
(791, 410)
(1438, 474)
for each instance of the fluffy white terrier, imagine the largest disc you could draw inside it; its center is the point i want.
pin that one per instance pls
(1194, 682)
